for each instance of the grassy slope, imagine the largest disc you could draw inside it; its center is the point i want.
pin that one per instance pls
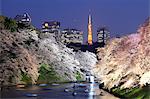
(134, 93)
(47, 74)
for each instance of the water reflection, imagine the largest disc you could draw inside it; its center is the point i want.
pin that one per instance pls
(61, 91)
(91, 91)
(91, 87)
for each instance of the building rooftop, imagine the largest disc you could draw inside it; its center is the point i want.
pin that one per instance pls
(72, 31)
(52, 23)
(102, 28)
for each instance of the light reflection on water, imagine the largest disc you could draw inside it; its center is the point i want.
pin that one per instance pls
(91, 91)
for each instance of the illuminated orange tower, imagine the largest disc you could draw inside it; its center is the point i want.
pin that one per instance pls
(90, 41)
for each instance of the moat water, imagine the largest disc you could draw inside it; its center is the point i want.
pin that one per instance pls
(55, 91)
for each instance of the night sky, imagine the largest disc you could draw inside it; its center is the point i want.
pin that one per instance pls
(121, 16)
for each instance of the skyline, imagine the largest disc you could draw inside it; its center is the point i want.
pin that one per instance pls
(121, 17)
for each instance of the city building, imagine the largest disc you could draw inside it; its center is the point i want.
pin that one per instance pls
(51, 26)
(90, 39)
(71, 36)
(24, 19)
(103, 35)
(66, 36)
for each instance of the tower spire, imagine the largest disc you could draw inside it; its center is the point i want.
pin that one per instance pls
(89, 19)
(90, 41)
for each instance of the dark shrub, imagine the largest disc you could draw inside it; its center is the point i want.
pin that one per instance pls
(10, 24)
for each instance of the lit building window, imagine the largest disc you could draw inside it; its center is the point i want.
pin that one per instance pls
(46, 24)
(43, 26)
